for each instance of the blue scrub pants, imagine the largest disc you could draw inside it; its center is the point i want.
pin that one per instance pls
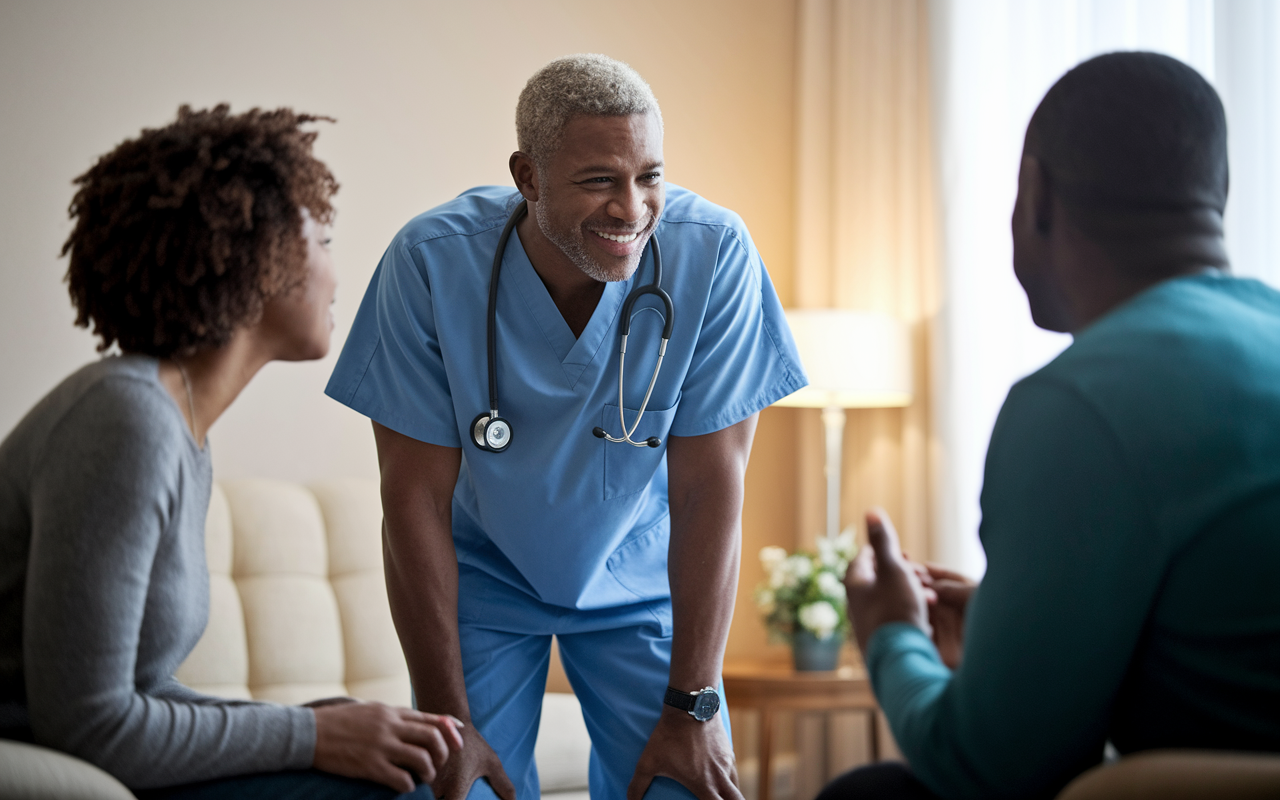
(618, 660)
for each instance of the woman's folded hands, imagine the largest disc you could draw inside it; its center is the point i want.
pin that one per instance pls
(397, 747)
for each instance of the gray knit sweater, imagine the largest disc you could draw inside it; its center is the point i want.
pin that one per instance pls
(104, 589)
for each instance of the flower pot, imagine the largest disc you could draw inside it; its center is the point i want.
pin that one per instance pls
(812, 654)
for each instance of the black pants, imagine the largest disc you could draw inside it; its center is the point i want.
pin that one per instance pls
(309, 784)
(888, 780)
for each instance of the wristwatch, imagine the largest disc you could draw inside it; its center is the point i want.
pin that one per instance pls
(702, 705)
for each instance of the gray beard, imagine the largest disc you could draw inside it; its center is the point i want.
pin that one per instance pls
(576, 250)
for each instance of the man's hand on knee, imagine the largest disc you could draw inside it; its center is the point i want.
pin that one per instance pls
(695, 754)
(475, 760)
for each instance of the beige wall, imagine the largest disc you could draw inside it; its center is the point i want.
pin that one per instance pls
(424, 93)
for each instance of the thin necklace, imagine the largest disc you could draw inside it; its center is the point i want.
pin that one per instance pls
(191, 402)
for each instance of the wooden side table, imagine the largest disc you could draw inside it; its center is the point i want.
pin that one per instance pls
(769, 688)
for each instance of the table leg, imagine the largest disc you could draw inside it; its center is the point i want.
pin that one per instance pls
(765, 771)
(873, 735)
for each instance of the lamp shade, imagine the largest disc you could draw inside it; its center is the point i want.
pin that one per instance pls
(854, 359)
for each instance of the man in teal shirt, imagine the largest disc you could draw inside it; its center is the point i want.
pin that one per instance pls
(1131, 503)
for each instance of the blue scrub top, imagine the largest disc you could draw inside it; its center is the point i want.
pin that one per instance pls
(571, 519)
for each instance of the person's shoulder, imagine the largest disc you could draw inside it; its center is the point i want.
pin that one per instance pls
(1200, 318)
(1194, 302)
(1209, 336)
(475, 211)
(684, 206)
(688, 214)
(120, 396)
(125, 377)
(1185, 380)
(118, 399)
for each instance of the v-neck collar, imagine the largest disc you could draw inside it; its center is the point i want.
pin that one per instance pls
(574, 354)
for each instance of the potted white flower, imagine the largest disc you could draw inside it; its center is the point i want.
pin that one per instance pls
(803, 600)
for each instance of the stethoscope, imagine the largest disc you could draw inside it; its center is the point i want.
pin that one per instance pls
(492, 433)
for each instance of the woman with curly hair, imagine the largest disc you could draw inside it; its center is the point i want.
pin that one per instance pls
(200, 250)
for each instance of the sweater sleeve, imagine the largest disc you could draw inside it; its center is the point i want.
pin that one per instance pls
(1072, 570)
(102, 498)
(174, 689)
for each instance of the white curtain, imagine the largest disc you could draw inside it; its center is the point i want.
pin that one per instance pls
(1247, 75)
(993, 62)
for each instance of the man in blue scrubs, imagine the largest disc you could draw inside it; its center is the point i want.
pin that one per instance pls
(1131, 501)
(628, 555)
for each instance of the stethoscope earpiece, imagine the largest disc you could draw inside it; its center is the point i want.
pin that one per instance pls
(599, 433)
(492, 433)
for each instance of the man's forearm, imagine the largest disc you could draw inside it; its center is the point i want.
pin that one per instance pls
(421, 565)
(422, 588)
(706, 475)
(703, 567)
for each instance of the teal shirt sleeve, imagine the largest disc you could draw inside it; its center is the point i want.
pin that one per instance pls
(1072, 571)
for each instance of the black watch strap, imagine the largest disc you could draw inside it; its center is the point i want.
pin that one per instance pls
(681, 700)
(702, 705)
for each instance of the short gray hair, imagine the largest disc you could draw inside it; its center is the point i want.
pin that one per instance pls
(589, 85)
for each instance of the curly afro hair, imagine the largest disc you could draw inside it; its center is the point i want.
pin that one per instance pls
(182, 234)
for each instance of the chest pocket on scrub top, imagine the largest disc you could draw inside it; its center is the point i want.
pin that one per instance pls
(627, 469)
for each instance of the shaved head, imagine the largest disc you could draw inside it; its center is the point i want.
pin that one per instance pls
(1123, 184)
(1133, 132)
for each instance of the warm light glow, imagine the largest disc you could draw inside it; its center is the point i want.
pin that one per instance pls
(854, 359)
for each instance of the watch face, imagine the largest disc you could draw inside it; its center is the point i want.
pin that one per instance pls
(705, 706)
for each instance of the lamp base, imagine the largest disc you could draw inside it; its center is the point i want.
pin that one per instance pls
(833, 426)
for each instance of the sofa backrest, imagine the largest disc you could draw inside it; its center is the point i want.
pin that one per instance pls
(298, 607)
(298, 611)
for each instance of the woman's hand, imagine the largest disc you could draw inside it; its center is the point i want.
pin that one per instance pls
(387, 745)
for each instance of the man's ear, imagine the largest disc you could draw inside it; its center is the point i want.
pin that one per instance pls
(525, 174)
(1036, 186)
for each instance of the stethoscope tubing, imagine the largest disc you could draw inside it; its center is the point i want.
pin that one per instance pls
(480, 425)
(622, 419)
(491, 332)
(654, 288)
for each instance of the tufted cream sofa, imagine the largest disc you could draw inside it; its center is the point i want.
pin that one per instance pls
(298, 611)
(297, 604)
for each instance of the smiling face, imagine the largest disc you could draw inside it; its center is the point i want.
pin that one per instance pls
(600, 195)
(298, 323)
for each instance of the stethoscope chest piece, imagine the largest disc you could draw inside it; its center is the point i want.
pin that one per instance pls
(491, 432)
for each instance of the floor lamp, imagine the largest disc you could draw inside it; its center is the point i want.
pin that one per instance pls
(854, 360)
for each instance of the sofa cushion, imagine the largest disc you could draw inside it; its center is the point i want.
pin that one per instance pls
(30, 772)
(219, 664)
(563, 745)
(298, 605)
(375, 667)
